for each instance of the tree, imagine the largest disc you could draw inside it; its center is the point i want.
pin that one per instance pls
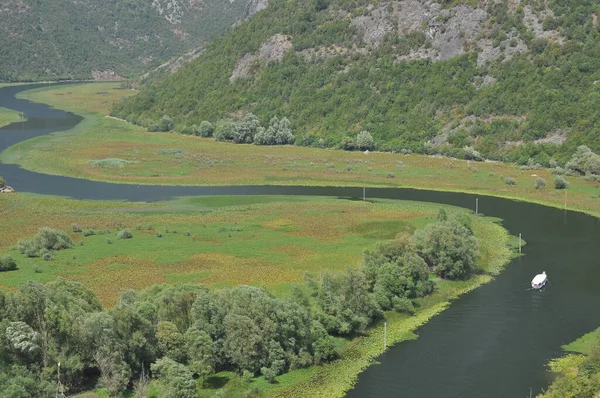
(199, 350)
(225, 131)
(364, 140)
(448, 248)
(584, 161)
(170, 341)
(176, 379)
(246, 129)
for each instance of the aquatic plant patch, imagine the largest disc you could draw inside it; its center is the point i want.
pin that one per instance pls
(219, 241)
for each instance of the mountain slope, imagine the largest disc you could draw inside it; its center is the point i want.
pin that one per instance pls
(420, 75)
(88, 38)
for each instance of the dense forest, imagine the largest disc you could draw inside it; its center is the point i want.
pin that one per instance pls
(62, 39)
(179, 336)
(513, 80)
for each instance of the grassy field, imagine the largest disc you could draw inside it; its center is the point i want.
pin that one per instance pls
(219, 241)
(7, 116)
(222, 241)
(174, 159)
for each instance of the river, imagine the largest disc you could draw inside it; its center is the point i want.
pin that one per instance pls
(492, 342)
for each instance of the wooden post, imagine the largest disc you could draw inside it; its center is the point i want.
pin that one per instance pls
(364, 193)
(384, 335)
(519, 242)
(476, 206)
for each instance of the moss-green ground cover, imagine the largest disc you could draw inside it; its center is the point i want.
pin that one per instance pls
(174, 159)
(219, 241)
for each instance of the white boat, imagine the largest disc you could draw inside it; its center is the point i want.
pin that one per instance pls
(539, 280)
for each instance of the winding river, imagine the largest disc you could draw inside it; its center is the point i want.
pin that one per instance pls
(492, 342)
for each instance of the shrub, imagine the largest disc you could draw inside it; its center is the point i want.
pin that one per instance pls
(510, 181)
(540, 183)
(560, 182)
(108, 241)
(7, 263)
(2, 183)
(390, 175)
(158, 234)
(206, 129)
(88, 232)
(54, 239)
(471, 154)
(364, 140)
(584, 161)
(403, 304)
(75, 228)
(110, 163)
(47, 256)
(29, 247)
(124, 234)
(224, 132)
(37, 269)
(174, 151)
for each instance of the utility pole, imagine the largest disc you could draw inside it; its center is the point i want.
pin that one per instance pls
(364, 193)
(476, 206)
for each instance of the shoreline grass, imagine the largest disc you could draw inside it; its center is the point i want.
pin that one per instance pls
(174, 159)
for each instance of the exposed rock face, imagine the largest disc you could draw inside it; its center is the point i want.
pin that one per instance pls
(448, 30)
(255, 6)
(169, 9)
(271, 51)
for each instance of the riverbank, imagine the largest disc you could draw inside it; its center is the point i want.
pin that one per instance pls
(578, 371)
(105, 149)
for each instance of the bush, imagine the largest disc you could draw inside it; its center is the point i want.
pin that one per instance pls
(29, 247)
(471, 154)
(2, 183)
(88, 232)
(110, 163)
(560, 182)
(540, 183)
(158, 234)
(53, 239)
(75, 228)
(225, 132)
(124, 234)
(205, 129)
(7, 263)
(390, 175)
(47, 256)
(364, 140)
(174, 151)
(510, 181)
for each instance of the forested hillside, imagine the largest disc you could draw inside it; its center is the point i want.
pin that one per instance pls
(54, 39)
(512, 79)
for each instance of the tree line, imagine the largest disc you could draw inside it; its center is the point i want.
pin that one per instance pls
(181, 335)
